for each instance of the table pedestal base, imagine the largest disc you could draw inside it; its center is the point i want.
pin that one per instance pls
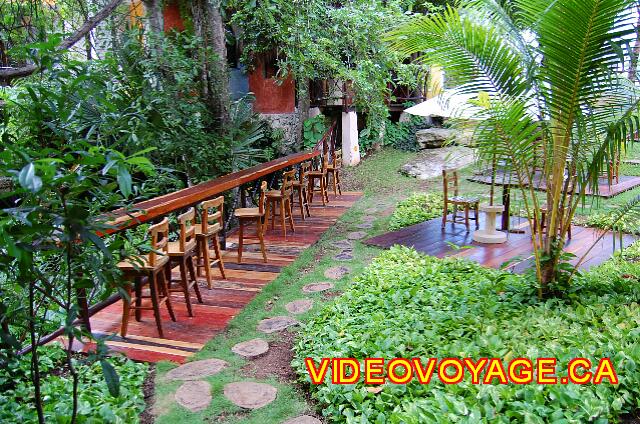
(489, 234)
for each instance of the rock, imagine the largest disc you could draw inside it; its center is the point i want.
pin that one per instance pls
(344, 244)
(336, 272)
(299, 306)
(250, 395)
(303, 419)
(365, 226)
(356, 235)
(430, 163)
(251, 348)
(317, 287)
(194, 395)
(371, 210)
(275, 324)
(197, 369)
(369, 218)
(345, 255)
(432, 138)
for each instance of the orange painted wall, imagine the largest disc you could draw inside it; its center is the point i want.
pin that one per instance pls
(172, 17)
(271, 97)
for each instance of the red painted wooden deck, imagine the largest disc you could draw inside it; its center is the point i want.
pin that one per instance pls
(227, 298)
(428, 237)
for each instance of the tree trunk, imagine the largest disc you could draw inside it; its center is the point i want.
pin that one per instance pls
(208, 25)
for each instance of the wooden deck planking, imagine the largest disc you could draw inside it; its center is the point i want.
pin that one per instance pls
(225, 300)
(429, 238)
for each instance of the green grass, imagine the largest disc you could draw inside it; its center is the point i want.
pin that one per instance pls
(383, 186)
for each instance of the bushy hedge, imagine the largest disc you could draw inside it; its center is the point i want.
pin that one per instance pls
(95, 403)
(418, 208)
(410, 305)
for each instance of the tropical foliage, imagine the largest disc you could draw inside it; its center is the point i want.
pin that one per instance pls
(554, 95)
(408, 305)
(418, 208)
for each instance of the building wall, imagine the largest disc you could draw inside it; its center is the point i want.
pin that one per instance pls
(276, 102)
(172, 17)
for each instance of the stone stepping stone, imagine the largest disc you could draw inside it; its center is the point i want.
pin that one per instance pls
(317, 287)
(356, 235)
(369, 218)
(194, 395)
(197, 369)
(345, 255)
(344, 244)
(303, 419)
(336, 272)
(250, 395)
(299, 306)
(371, 210)
(251, 348)
(275, 324)
(365, 226)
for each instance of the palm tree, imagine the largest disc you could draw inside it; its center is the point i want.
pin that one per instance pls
(557, 99)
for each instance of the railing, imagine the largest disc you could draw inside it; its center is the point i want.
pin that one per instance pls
(158, 207)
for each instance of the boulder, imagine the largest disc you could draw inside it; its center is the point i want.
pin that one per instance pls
(432, 138)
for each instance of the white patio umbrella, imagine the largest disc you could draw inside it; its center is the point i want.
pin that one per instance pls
(447, 105)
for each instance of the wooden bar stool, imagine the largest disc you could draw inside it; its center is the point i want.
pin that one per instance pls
(153, 267)
(246, 215)
(211, 224)
(300, 187)
(282, 199)
(321, 175)
(333, 169)
(450, 185)
(183, 252)
(544, 211)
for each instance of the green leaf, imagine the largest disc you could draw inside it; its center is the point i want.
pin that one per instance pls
(111, 378)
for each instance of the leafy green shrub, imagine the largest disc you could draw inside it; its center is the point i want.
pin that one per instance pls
(418, 208)
(95, 403)
(410, 305)
(312, 131)
(605, 221)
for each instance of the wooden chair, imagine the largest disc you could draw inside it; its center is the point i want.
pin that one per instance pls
(211, 224)
(321, 175)
(333, 170)
(246, 215)
(544, 211)
(282, 199)
(152, 266)
(450, 185)
(300, 187)
(183, 253)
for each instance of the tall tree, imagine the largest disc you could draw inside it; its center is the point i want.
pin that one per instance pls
(209, 27)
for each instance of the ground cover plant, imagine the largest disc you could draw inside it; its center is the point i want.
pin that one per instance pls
(95, 403)
(418, 208)
(410, 305)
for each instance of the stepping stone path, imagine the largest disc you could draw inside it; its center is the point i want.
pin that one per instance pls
(365, 226)
(250, 395)
(336, 272)
(369, 218)
(345, 255)
(303, 419)
(251, 348)
(317, 287)
(356, 235)
(299, 306)
(371, 210)
(194, 395)
(344, 244)
(275, 324)
(196, 370)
